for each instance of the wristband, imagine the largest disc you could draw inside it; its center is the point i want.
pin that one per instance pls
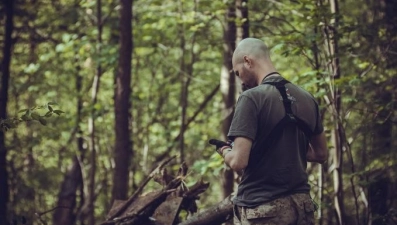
(223, 149)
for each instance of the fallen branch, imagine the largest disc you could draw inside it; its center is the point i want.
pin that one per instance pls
(162, 207)
(127, 203)
(216, 214)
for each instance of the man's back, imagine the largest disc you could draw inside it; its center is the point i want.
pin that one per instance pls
(274, 188)
(277, 163)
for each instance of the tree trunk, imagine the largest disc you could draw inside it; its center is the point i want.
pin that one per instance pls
(185, 80)
(91, 123)
(379, 193)
(123, 144)
(66, 214)
(336, 105)
(5, 75)
(227, 86)
(321, 175)
(242, 15)
(73, 181)
(80, 142)
(242, 31)
(230, 86)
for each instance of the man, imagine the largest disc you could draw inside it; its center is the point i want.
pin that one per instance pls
(276, 130)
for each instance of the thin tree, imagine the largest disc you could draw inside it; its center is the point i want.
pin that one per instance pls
(67, 198)
(227, 86)
(242, 17)
(123, 144)
(80, 138)
(91, 121)
(185, 80)
(316, 65)
(5, 75)
(230, 86)
(186, 74)
(242, 30)
(332, 38)
(72, 184)
(381, 140)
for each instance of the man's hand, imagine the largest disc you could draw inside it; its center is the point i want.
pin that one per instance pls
(318, 151)
(238, 158)
(220, 145)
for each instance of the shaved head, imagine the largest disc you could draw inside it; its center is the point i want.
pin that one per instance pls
(252, 47)
(251, 62)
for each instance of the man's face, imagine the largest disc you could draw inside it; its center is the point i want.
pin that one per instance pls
(246, 76)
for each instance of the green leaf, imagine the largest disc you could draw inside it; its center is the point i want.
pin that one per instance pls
(48, 114)
(58, 112)
(35, 116)
(25, 117)
(22, 110)
(43, 121)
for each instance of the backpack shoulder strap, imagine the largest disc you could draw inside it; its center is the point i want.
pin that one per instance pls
(287, 120)
(289, 117)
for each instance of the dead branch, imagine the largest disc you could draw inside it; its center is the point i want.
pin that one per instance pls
(216, 214)
(139, 190)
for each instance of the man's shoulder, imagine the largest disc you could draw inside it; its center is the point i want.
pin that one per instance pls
(303, 91)
(260, 89)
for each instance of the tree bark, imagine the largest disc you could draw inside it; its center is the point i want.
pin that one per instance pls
(185, 80)
(123, 143)
(336, 108)
(242, 31)
(80, 137)
(227, 86)
(5, 75)
(73, 181)
(230, 86)
(65, 215)
(91, 123)
(185, 74)
(242, 15)
(379, 191)
(321, 168)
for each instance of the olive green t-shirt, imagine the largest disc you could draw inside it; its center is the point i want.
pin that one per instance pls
(276, 167)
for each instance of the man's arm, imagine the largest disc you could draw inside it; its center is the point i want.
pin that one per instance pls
(318, 151)
(238, 157)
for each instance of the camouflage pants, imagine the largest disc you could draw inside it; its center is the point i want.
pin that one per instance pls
(296, 209)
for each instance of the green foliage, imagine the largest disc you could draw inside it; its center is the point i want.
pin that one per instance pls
(32, 114)
(56, 55)
(214, 165)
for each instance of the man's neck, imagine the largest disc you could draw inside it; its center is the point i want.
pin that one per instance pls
(267, 73)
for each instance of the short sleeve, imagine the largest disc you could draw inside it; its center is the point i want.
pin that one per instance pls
(245, 119)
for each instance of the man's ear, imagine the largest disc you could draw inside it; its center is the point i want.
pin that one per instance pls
(247, 60)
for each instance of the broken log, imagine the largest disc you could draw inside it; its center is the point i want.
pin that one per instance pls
(116, 211)
(216, 214)
(161, 207)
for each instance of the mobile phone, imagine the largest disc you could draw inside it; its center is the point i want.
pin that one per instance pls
(218, 143)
